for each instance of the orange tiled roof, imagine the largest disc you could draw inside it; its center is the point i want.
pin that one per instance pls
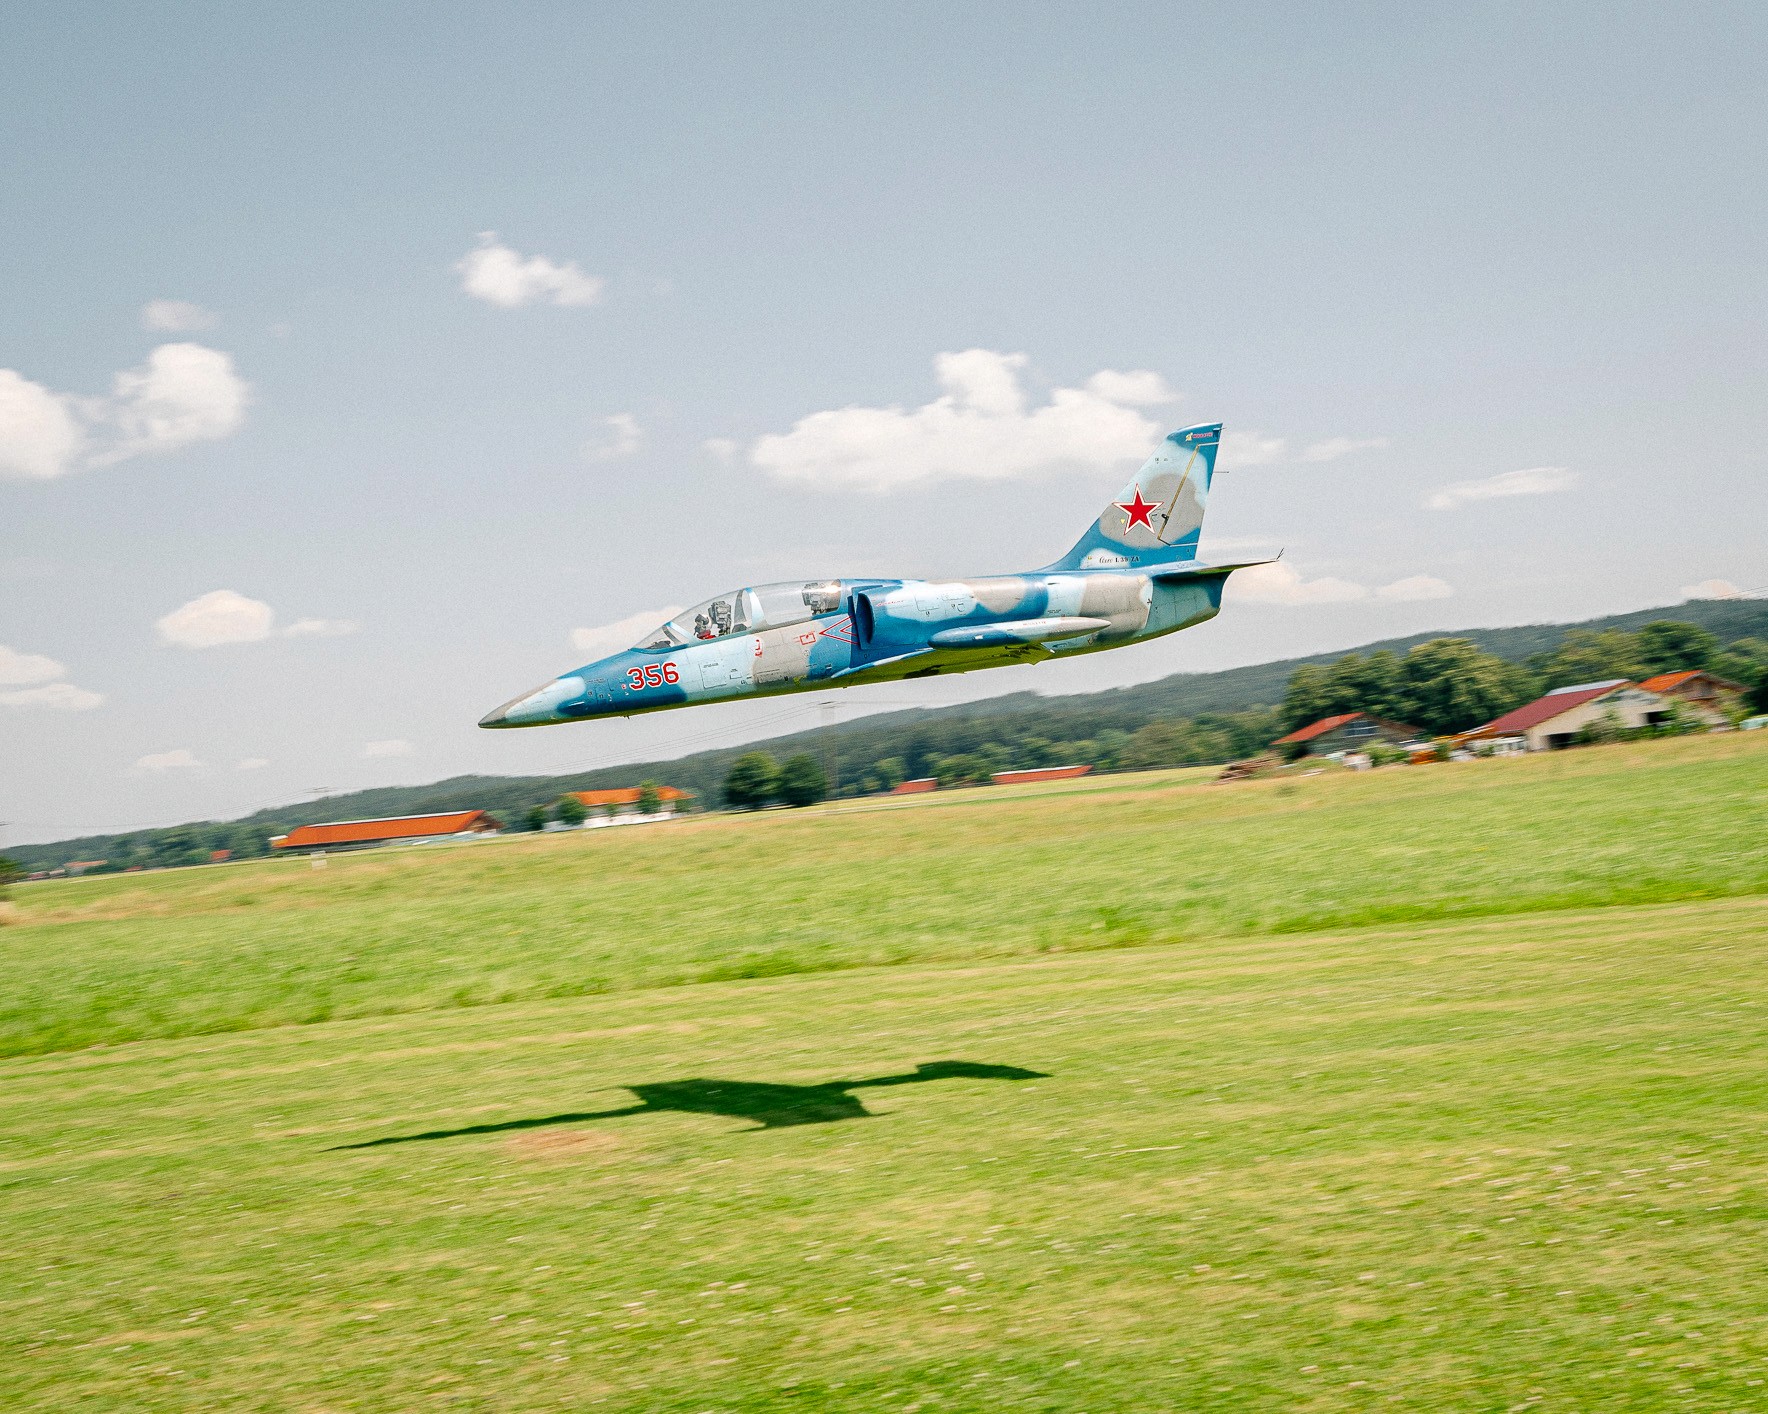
(627, 795)
(408, 827)
(1319, 728)
(1663, 682)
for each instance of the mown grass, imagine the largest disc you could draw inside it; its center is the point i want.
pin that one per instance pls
(974, 875)
(1482, 1164)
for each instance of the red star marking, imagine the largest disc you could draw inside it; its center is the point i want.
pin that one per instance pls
(1138, 511)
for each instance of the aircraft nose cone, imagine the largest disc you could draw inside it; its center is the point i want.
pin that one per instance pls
(536, 708)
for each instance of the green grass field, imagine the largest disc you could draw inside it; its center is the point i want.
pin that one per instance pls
(1438, 1088)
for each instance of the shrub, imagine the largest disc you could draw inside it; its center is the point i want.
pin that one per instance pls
(753, 781)
(802, 781)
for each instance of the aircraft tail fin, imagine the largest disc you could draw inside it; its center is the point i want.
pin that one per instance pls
(1158, 517)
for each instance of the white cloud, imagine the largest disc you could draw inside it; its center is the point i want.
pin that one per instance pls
(1712, 589)
(252, 763)
(500, 276)
(1139, 389)
(625, 437)
(1533, 481)
(161, 762)
(39, 436)
(32, 680)
(1281, 583)
(320, 628)
(1415, 589)
(1240, 449)
(23, 669)
(184, 393)
(219, 617)
(980, 427)
(395, 747)
(225, 616)
(176, 316)
(622, 633)
(56, 696)
(721, 447)
(1333, 448)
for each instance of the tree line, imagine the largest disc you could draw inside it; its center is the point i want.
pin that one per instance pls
(1441, 685)
(1449, 685)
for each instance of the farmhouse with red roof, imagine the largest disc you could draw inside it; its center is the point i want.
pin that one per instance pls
(1707, 694)
(1554, 720)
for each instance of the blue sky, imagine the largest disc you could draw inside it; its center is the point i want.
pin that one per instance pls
(265, 370)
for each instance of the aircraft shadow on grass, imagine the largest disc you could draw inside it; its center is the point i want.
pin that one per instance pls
(770, 1106)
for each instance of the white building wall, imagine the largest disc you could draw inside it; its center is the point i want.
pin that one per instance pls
(1633, 705)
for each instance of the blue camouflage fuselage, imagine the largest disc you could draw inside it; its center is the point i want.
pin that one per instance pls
(1133, 575)
(885, 630)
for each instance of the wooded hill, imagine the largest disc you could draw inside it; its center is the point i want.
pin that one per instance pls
(1085, 726)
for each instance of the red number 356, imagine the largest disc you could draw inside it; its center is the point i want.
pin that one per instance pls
(652, 675)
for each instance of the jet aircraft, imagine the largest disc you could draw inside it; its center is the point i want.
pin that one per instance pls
(1133, 575)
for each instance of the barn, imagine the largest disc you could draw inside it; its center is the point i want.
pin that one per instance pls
(623, 800)
(1038, 773)
(403, 829)
(1554, 721)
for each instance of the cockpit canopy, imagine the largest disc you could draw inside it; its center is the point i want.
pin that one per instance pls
(747, 611)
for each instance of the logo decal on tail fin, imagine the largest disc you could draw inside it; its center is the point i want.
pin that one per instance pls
(1139, 510)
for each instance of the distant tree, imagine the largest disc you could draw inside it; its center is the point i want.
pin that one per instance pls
(1376, 685)
(918, 753)
(1452, 686)
(892, 771)
(1177, 743)
(964, 768)
(1309, 696)
(1669, 646)
(994, 757)
(753, 781)
(1744, 661)
(570, 811)
(1108, 749)
(535, 819)
(181, 845)
(1587, 656)
(650, 798)
(10, 873)
(802, 781)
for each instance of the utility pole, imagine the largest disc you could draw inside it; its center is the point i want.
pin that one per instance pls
(830, 750)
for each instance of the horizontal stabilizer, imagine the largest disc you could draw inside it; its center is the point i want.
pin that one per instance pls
(1192, 569)
(1009, 635)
